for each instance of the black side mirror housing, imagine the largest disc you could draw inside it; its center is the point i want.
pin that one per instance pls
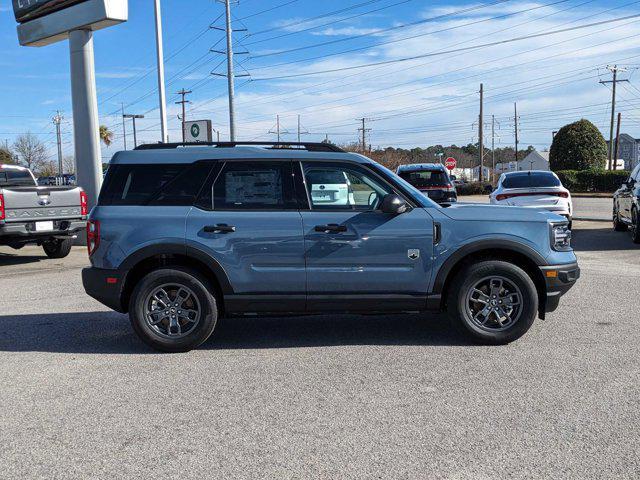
(393, 204)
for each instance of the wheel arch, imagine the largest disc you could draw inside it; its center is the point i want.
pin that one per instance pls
(521, 255)
(153, 257)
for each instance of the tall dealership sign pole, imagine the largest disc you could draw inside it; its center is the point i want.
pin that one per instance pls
(161, 85)
(43, 22)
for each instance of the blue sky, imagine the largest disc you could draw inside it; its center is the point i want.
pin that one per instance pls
(429, 100)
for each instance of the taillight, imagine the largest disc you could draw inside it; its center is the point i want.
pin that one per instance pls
(504, 196)
(2, 213)
(93, 236)
(84, 205)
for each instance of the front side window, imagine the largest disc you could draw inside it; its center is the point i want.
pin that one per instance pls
(254, 186)
(342, 187)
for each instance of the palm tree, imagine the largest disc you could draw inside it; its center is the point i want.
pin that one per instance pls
(106, 135)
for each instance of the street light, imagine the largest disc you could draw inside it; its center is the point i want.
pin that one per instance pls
(133, 117)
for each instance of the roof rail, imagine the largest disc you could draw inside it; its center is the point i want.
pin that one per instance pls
(309, 146)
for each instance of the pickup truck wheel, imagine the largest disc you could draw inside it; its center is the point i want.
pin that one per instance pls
(494, 302)
(57, 248)
(172, 310)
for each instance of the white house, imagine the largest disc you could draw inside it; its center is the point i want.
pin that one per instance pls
(534, 161)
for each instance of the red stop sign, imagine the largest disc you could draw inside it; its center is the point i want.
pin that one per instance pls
(450, 163)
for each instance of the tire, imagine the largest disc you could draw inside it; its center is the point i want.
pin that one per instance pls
(618, 226)
(498, 329)
(175, 330)
(635, 226)
(55, 248)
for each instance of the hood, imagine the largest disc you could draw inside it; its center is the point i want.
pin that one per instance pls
(499, 213)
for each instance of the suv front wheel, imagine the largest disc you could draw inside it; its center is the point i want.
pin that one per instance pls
(172, 310)
(492, 301)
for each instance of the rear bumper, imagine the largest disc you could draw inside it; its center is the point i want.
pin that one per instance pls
(558, 279)
(25, 232)
(106, 286)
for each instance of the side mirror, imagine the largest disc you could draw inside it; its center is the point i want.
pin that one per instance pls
(393, 204)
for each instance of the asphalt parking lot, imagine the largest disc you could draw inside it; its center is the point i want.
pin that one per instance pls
(321, 397)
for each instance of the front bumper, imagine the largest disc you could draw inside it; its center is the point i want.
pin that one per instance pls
(106, 286)
(558, 279)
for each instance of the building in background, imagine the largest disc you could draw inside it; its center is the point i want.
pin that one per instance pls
(629, 151)
(534, 161)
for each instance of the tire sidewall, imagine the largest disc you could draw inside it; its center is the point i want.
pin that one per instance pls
(198, 285)
(469, 278)
(635, 229)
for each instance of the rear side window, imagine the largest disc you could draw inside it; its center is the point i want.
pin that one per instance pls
(254, 186)
(16, 178)
(425, 178)
(530, 180)
(170, 184)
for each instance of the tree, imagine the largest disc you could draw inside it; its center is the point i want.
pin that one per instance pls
(69, 164)
(578, 146)
(30, 151)
(106, 135)
(6, 156)
(48, 169)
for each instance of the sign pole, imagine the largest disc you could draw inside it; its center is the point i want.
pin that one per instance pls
(162, 95)
(85, 114)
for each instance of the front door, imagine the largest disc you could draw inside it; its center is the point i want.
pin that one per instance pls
(353, 251)
(249, 222)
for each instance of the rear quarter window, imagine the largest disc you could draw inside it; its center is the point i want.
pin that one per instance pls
(168, 184)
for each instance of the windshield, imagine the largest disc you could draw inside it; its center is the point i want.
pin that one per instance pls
(531, 180)
(16, 178)
(425, 178)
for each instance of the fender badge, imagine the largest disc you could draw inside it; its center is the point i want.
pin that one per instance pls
(413, 254)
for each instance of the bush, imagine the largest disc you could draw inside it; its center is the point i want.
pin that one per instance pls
(592, 180)
(578, 146)
(475, 188)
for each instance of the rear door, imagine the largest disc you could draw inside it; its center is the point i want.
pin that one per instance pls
(354, 252)
(247, 219)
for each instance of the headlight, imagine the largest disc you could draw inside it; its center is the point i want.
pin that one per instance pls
(560, 237)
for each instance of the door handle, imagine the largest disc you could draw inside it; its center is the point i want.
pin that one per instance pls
(331, 228)
(220, 228)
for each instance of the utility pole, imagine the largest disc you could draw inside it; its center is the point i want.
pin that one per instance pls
(57, 120)
(230, 74)
(481, 133)
(133, 117)
(615, 152)
(161, 86)
(183, 102)
(278, 131)
(515, 121)
(124, 129)
(614, 70)
(493, 146)
(364, 131)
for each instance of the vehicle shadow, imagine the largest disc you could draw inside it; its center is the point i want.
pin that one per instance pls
(7, 259)
(111, 333)
(601, 239)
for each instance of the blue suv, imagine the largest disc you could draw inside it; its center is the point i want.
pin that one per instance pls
(185, 234)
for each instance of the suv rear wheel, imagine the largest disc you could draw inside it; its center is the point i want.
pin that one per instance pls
(172, 310)
(494, 302)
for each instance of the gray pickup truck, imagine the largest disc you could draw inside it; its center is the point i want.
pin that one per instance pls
(47, 216)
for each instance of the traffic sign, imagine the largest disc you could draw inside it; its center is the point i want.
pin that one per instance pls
(450, 163)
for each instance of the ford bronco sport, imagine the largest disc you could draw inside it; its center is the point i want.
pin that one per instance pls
(184, 234)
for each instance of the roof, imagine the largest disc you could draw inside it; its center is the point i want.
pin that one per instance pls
(541, 155)
(193, 154)
(12, 167)
(522, 173)
(420, 166)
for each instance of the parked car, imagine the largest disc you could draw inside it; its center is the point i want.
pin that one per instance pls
(533, 189)
(431, 179)
(626, 205)
(45, 215)
(183, 235)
